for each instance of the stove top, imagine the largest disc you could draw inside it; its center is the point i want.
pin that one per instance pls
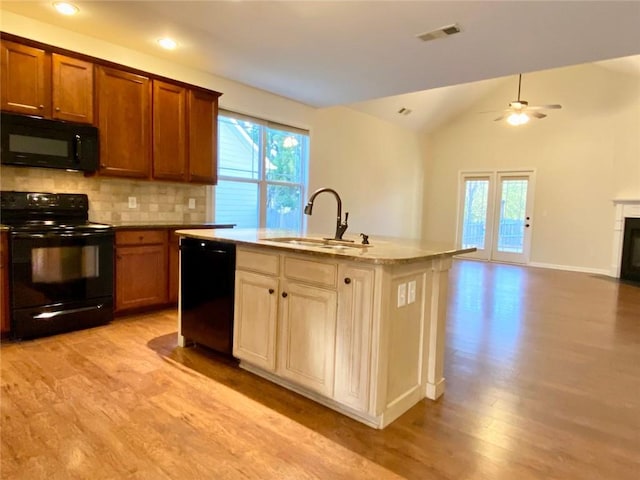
(37, 212)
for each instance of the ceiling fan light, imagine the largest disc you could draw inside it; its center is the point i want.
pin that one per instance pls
(516, 119)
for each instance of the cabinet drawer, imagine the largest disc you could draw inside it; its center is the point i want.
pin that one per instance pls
(319, 273)
(141, 237)
(261, 262)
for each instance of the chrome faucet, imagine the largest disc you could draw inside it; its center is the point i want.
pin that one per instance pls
(340, 226)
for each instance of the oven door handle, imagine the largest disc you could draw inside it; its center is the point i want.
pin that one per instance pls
(50, 315)
(61, 235)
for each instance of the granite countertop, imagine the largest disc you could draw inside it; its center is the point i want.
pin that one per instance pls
(154, 224)
(382, 250)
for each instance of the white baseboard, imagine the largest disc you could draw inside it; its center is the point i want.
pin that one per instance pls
(571, 268)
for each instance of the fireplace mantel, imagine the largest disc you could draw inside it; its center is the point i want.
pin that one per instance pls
(625, 208)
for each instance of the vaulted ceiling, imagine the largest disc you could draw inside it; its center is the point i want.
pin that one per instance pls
(325, 53)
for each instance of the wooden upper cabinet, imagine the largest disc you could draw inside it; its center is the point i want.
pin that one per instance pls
(72, 89)
(124, 121)
(26, 80)
(202, 125)
(169, 131)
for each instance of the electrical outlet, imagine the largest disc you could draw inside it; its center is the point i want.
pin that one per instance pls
(402, 295)
(192, 203)
(133, 202)
(411, 291)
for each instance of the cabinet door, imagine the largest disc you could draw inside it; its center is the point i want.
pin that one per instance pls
(26, 80)
(203, 143)
(169, 147)
(353, 336)
(4, 283)
(124, 121)
(72, 87)
(141, 276)
(307, 337)
(256, 308)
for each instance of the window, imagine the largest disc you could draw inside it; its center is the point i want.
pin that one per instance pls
(262, 173)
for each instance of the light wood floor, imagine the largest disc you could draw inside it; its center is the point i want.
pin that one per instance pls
(543, 382)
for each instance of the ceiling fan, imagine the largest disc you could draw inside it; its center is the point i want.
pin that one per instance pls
(519, 111)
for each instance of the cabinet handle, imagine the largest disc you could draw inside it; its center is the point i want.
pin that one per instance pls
(271, 290)
(347, 280)
(285, 294)
(57, 109)
(41, 107)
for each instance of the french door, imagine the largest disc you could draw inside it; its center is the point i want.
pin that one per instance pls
(495, 215)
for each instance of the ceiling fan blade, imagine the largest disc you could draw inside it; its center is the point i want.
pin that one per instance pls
(544, 107)
(538, 114)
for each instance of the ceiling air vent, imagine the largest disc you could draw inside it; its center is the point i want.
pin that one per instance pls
(440, 32)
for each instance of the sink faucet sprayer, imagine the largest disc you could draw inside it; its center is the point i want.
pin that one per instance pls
(340, 226)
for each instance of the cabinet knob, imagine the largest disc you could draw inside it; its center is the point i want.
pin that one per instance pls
(271, 290)
(285, 294)
(347, 280)
(57, 109)
(41, 107)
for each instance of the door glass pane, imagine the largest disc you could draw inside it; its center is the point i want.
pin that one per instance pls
(474, 222)
(284, 207)
(237, 202)
(513, 203)
(284, 155)
(238, 148)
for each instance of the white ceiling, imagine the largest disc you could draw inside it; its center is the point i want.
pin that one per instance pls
(326, 53)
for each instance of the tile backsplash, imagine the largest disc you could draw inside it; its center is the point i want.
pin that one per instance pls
(109, 197)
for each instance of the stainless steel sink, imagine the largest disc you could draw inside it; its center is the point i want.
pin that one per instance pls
(317, 242)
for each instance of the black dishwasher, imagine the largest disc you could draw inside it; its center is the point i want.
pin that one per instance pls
(207, 276)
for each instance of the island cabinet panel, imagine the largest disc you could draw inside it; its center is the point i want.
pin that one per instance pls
(141, 269)
(353, 335)
(169, 131)
(124, 121)
(4, 283)
(256, 310)
(202, 128)
(72, 89)
(26, 79)
(307, 336)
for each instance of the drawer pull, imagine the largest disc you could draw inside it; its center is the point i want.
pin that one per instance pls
(285, 294)
(271, 290)
(347, 280)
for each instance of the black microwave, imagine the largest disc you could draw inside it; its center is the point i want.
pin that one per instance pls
(38, 142)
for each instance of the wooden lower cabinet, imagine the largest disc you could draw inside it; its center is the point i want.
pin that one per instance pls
(141, 269)
(307, 336)
(306, 321)
(4, 284)
(256, 310)
(353, 335)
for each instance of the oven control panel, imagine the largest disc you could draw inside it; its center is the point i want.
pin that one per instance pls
(43, 201)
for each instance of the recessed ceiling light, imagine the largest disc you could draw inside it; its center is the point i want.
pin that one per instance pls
(65, 8)
(167, 43)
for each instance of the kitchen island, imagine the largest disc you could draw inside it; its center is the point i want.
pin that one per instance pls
(359, 328)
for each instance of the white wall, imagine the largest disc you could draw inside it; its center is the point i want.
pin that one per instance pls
(375, 166)
(584, 155)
